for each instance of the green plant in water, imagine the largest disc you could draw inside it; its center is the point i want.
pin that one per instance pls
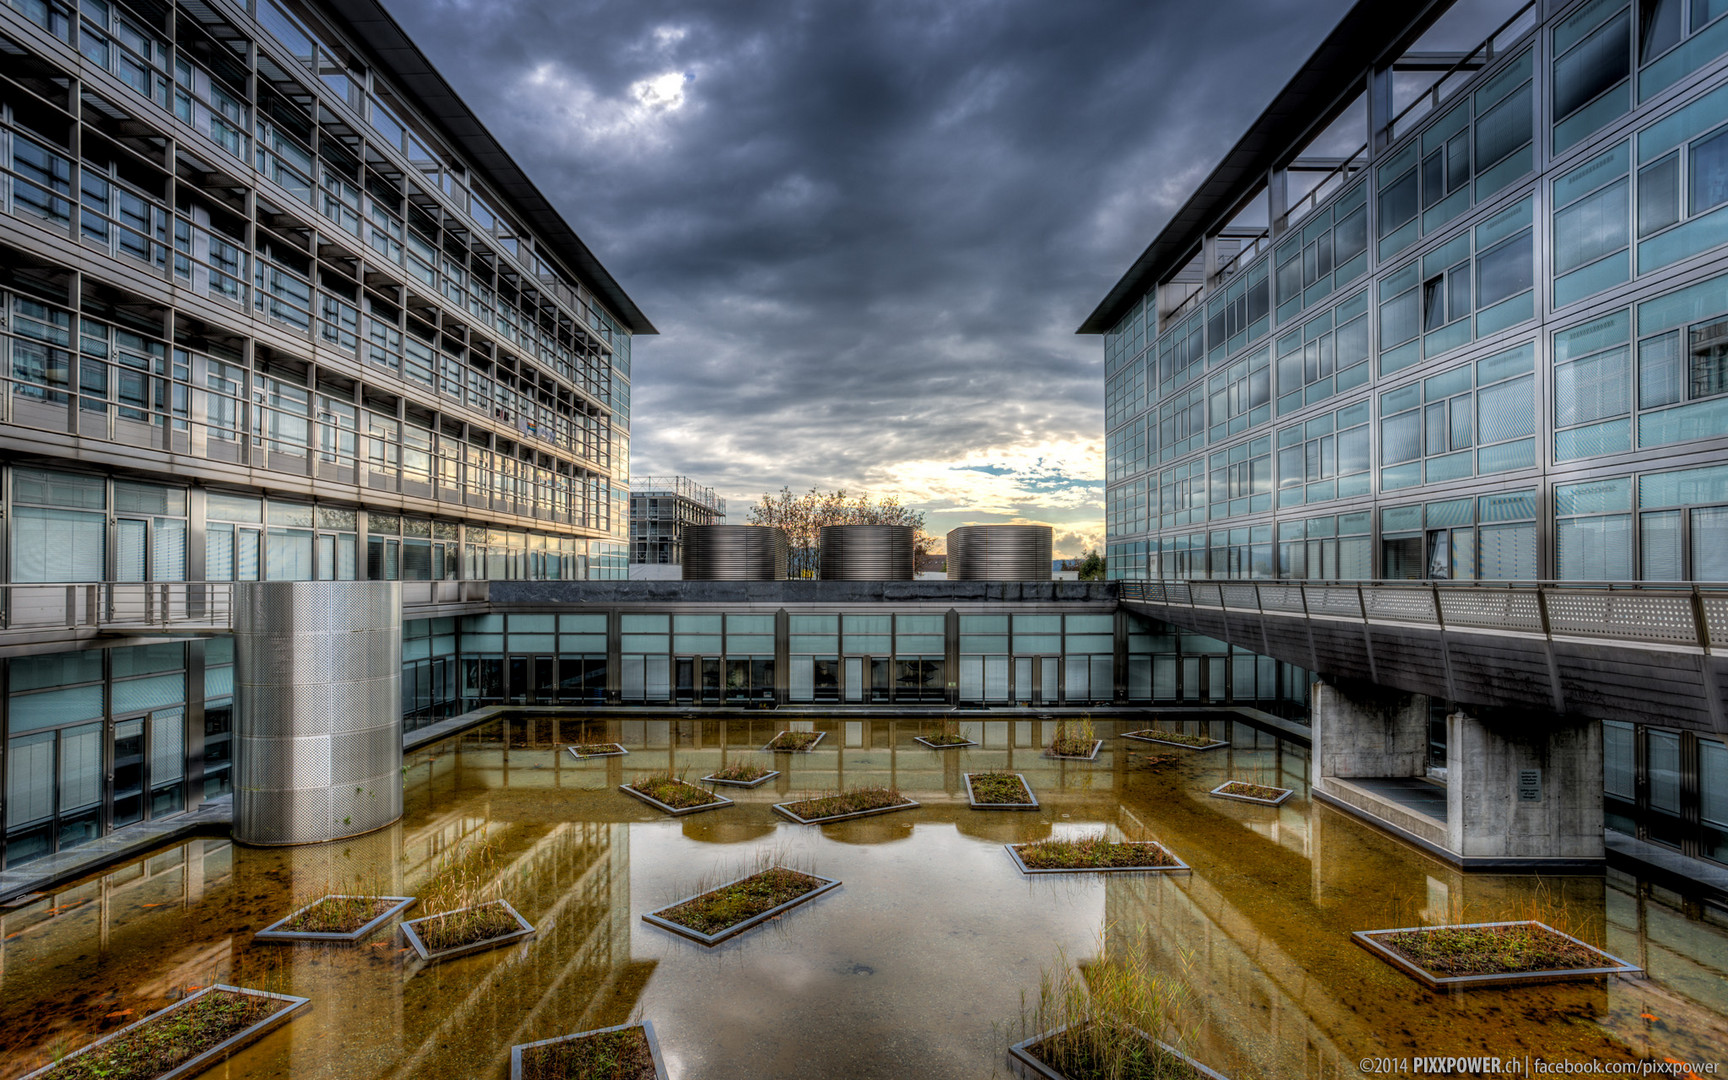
(462, 896)
(611, 1055)
(947, 735)
(1106, 1018)
(743, 772)
(999, 788)
(847, 802)
(794, 740)
(731, 904)
(672, 789)
(1251, 791)
(160, 1045)
(595, 749)
(1181, 738)
(1092, 853)
(1073, 738)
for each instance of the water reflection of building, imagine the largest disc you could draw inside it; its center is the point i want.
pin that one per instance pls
(113, 939)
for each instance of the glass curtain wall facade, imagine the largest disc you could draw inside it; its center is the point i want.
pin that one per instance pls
(272, 307)
(1492, 346)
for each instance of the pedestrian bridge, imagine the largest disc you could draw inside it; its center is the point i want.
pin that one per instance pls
(1651, 653)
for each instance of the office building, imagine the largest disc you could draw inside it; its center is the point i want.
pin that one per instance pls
(276, 307)
(1455, 316)
(661, 508)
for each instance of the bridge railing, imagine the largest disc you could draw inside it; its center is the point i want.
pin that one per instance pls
(1670, 613)
(185, 606)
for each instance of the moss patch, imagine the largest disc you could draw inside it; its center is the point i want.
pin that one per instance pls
(158, 1046)
(1491, 950)
(729, 905)
(847, 802)
(610, 1055)
(1002, 787)
(672, 791)
(1092, 853)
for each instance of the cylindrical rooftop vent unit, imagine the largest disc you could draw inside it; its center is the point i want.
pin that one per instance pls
(868, 553)
(734, 553)
(999, 553)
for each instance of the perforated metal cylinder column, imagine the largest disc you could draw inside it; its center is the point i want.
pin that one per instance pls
(868, 553)
(999, 553)
(318, 709)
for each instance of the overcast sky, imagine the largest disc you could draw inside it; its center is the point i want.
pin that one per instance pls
(867, 230)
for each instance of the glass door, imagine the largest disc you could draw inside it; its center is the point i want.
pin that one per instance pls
(854, 683)
(126, 772)
(684, 679)
(1022, 689)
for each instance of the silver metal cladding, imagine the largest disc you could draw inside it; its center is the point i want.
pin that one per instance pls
(1000, 553)
(868, 553)
(734, 553)
(318, 716)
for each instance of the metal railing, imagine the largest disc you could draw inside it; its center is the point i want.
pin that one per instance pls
(1680, 613)
(179, 606)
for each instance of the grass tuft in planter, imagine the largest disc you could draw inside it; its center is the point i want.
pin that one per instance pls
(1093, 854)
(601, 749)
(673, 794)
(723, 912)
(838, 806)
(1094, 1024)
(625, 1052)
(742, 774)
(1243, 791)
(794, 742)
(467, 914)
(1000, 791)
(1074, 740)
(1175, 738)
(180, 1041)
(947, 738)
(1490, 954)
(337, 918)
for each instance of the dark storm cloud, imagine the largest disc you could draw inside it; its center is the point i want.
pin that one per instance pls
(867, 231)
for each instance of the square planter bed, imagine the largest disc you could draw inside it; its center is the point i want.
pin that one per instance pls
(523, 1055)
(817, 886)
(758, 782)
(774, 747)
(1175, 738)
(1023, 1058)
(713, 802)
(1091, 756)
(588, 750)
(797, 810)
(1259, 794)
(1031, 802)
(431, 955)
(943, 745)
(385, 909)
(1158, 860)
(199, 1059)
(1571, 959)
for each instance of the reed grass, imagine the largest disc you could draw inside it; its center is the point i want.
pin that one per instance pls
(1073, 739)
(794, 740)
(338, 914)
(743, 772)
(462, 897)
(1106, 1018)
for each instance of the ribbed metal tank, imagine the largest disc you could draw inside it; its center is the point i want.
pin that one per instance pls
(999, 553)
(734, 553)
(868, 553)
(318, 709)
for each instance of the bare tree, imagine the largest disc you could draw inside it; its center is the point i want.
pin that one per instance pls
(802, 518)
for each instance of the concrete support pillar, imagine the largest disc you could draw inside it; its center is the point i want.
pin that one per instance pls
(318, 709)
(1524, 787)
(1361, 729)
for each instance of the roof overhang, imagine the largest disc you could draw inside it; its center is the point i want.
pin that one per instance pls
(389, 49)
(1372, 32)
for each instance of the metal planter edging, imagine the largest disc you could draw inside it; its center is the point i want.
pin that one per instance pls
(433, 957)
(193, 1066)
(271, 933)
(1022, 1061)
(758, 782)
(972, 797)
(772, 749)
(517, 1051)
(1179, 867)
(1093, 756)
(1366, 939)
(942, 746)
(619, 752)
(1219, 792)
(1138, 736)
(678, 811)
(653, 918)
(784, 809)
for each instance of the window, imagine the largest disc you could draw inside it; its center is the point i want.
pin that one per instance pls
(1438, 430)
(1593, 530)
(1677, 37)
(1591, 60)
(1241, 395)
